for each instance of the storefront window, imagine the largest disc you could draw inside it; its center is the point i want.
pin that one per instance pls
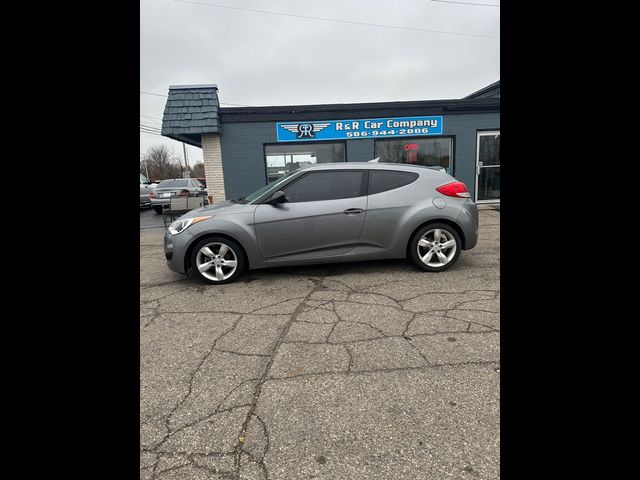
(423, 151)
(282, 159)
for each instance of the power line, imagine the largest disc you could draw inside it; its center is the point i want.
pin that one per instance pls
(221, 103)
(150, 133)
(150, 110)
(150, 130)
(150, 119)
(336, 20)
(154, 94)
(469, 3)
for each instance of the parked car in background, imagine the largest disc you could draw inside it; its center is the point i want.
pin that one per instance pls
(203, 181)
(146, 187)
(162, 194)
(329, 213)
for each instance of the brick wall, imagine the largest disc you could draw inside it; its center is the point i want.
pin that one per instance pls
(213, 171)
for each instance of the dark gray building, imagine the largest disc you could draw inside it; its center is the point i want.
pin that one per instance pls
(244, 148)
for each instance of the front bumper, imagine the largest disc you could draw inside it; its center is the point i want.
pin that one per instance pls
(175, 249)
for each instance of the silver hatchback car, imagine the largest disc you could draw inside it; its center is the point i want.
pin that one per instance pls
(329, 213)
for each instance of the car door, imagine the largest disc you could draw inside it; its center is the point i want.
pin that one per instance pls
(322, 217)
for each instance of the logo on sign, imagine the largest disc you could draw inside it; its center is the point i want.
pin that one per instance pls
(305, 130)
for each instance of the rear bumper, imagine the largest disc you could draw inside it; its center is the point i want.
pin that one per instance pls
(468, 220)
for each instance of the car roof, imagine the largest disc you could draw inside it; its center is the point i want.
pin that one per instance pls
(407, 167)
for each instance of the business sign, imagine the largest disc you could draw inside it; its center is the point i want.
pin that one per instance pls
(362, 128)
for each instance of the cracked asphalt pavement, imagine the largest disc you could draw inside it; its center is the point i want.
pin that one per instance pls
(371, 370)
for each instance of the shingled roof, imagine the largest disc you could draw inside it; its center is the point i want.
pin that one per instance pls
(490, 91)
(191, 111)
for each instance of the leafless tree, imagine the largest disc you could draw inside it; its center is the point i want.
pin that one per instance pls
(198, 170)
(161, 162)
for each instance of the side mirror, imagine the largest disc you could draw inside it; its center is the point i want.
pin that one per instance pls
(277, 198)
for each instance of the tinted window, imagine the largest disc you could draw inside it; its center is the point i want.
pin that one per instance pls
(383, 180)
(317, 186)
(173, 183)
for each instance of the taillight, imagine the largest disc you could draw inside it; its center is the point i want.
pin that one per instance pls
(184, 193)
(152, 195)
(454, 189)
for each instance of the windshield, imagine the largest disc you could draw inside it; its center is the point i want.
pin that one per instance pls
(265, 189)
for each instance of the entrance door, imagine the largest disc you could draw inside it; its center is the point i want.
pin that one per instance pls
(488, 169)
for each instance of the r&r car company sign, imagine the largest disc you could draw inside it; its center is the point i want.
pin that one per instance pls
(362, 128)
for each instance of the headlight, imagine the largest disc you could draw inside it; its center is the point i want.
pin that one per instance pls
(180, 226)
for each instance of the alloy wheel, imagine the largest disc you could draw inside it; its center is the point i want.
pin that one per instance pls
(437, 247)
(216, 261)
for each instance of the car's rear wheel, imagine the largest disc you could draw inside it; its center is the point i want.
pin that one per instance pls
(158, 210)
(217, 260)
(435, 247)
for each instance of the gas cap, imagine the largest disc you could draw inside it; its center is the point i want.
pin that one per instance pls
(439, 202)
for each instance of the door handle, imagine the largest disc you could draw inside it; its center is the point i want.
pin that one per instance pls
(353, 211)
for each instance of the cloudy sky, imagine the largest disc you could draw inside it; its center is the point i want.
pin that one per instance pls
(265, 59)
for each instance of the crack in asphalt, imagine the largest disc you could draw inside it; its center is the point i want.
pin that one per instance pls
(258, 388)
(329, 291)
(386, 370)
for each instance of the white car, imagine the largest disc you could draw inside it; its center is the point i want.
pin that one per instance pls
(146, 186)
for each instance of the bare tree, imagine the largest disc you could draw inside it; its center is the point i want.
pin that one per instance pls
(161, 162)
(198, 170)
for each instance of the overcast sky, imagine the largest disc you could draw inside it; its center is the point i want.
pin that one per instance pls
(261, 59)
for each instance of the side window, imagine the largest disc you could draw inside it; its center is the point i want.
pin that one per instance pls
(384, 180)
(316, 186)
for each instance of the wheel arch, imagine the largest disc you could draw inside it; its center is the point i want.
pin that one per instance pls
(187, 256)
(445, 221)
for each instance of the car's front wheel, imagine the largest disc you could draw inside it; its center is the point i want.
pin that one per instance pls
(435, 247)
(158, 210)
(217, 260)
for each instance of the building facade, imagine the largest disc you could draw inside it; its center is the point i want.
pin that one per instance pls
(245, 148)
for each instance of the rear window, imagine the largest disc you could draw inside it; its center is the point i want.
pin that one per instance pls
(180, 183)
(384, 180)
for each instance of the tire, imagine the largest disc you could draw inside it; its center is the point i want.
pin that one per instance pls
(215, 245)
(158, 210)
(435, 262)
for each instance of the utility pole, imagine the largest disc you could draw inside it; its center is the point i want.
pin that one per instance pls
(186, 165)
